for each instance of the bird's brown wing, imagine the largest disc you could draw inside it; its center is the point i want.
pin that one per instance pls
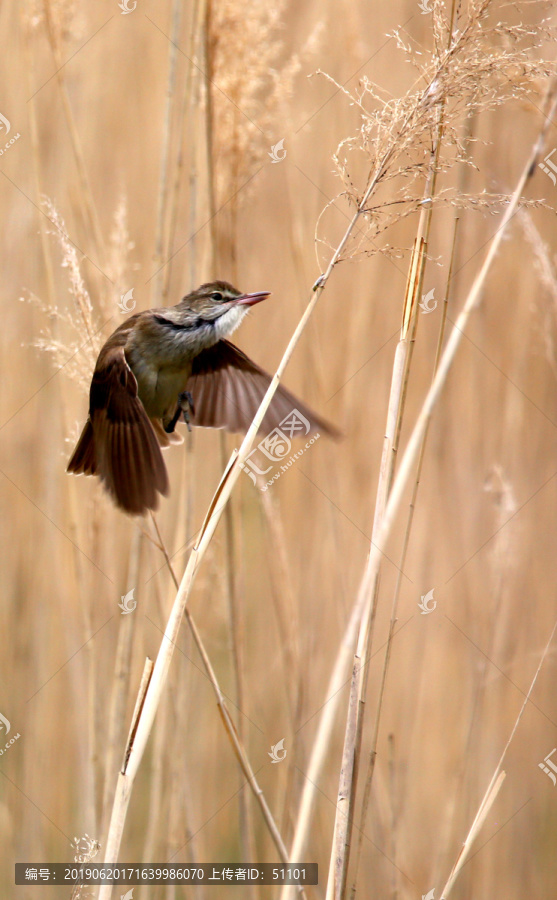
(227, 389)
(118, 441)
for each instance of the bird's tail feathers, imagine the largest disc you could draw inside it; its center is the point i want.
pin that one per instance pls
(130, 461)
(83, 460)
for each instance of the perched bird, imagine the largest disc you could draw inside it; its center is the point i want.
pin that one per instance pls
(163, 364)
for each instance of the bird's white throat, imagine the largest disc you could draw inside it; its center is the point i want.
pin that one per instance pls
(229, 321)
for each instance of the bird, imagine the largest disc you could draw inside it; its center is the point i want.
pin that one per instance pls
(166, 364)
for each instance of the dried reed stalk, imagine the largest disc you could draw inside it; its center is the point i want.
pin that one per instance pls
(393, 621)
(163, 191)
(120, 685)
(364, 599)
(187, 124)
(223, 258)
(126, 780)
(88, 204)
(233, 565)
(493, 787)
(344, 816)
(352, 740)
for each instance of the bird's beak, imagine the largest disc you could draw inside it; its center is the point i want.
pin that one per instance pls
(251, 299)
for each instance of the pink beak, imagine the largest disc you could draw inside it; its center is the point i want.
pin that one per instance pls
(251, 299)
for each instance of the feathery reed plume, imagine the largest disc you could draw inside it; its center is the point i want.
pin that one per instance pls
(75, 343)
(86, 848)
(477, 67)
(246, 87)
(76, 353)
(249, 85)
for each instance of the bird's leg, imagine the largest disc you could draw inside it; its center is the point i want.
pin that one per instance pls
(183, 408)
(170, 426)
(185, 405)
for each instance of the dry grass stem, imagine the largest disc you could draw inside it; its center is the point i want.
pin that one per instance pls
(88, 204)
(494, 785)
(362, 606)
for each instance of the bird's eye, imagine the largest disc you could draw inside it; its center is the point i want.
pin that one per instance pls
(216, 296)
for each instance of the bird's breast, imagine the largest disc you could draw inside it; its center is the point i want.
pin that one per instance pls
(160, 353)
(158, 383)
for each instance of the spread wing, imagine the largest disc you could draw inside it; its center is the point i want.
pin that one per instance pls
(227, 389)
(118, 441)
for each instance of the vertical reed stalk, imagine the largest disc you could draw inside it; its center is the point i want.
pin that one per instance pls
(163, 191)
(87, 204)
(361, 607)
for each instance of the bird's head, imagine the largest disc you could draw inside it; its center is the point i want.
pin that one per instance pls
(219, 300)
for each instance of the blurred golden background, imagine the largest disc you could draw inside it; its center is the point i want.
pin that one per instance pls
(158, 176)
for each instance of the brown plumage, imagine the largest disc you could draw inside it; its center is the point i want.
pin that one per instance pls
(144, 367)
